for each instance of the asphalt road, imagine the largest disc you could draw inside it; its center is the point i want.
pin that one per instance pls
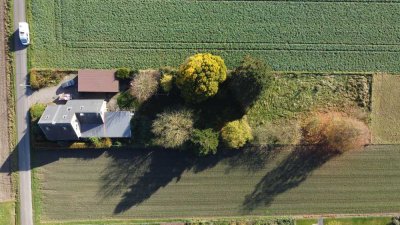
(24, 162)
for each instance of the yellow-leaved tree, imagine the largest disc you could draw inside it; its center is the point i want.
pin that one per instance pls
(237, 133)
(199, 76)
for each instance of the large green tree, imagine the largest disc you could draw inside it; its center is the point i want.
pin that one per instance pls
(200, 75)
(249, 80)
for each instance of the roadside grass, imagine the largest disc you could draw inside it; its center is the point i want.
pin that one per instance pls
(386, 109)
(348, 221)
(188, 221)
(151, 184)
(291, 95)
(148, 34)
(7, 213)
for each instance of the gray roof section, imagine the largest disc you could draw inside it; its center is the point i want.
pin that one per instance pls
(116, 125)
(86, 105)
(56, 114)
(64, 113)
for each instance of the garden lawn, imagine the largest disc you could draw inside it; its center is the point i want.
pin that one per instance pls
(385, 122)
(360, 35)
(7, 213)
(143, 184)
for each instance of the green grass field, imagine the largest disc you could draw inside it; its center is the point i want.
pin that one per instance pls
(360, 35)
(7, 213)
(292, 95)
(386, 109)
(161, 184)
(349, 221)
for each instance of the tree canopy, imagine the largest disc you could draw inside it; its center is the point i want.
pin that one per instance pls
(200, 75)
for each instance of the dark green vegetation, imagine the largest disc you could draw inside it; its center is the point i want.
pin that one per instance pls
(165, 184)
(291, 35)
(125, 73)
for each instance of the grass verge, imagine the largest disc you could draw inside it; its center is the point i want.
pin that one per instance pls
(348, 221)
(385, 109)
(7, 213)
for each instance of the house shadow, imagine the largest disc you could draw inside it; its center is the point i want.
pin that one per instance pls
(290, 173)
(136, 175)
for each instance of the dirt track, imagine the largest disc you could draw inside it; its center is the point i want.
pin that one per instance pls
(5, 176)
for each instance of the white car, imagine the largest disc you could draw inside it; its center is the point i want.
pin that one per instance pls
(23, 31)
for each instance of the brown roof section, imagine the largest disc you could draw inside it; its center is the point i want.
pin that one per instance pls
(97, 81)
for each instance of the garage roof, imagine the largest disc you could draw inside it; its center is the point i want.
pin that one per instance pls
(97, 81)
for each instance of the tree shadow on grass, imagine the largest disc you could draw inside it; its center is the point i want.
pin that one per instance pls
(137, 175)
(290, 173)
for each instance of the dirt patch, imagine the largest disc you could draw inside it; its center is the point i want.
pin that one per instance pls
(5, 165)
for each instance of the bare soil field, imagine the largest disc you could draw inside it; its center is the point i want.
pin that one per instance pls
(5, 165)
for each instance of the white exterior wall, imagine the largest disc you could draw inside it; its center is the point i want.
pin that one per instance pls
(75, 125)
(103, 109)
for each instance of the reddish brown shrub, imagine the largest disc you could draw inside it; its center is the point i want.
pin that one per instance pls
(337, 132)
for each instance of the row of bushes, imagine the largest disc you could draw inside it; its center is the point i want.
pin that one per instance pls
(198, 79)
(41, 78)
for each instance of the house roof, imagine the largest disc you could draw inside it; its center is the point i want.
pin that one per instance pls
(116, 124)
(64, 113)
(97, 81)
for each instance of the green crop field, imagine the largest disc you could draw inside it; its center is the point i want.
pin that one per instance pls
(386, 109)
(362, 35)
(168, 184)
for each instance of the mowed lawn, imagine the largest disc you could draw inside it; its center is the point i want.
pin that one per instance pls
(77, 185)
(290, 35)
(385, 123)
(7, 213)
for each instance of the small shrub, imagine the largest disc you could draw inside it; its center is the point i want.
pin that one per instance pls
(145, 85)
(199, 77)
(126, 101)
(205, 142)
(166, 82)
(78, 145)
(117, 144)
(168, 70)
(96, 142)
(337, 132)
(173, 128)
(33, 80)
(123, 74)
(36, 111)
(235, 134)
(107, 143)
